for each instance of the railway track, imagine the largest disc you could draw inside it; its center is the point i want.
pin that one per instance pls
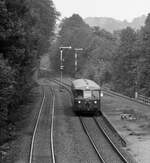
(92, 142)
(64, 85)
(106, 150)
(113, 141)
(42, 145)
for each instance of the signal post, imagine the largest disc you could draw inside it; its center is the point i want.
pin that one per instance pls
(61, 60)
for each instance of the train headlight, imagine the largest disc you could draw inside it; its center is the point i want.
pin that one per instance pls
(95, 102)
(79, 102)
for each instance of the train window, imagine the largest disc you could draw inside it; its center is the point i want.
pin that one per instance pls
(78, 94)
(87, 94)
(95, 94)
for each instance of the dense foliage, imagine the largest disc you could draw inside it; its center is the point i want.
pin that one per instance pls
(100, 53)
(121, 60)
(132, 61)
(98, 45)
(124, 63)
(143, 76)
(25, 31)
(75, 33)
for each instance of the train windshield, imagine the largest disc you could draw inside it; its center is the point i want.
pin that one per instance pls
(78, 93)
(95, 94)
(87, 94)
(91, 94)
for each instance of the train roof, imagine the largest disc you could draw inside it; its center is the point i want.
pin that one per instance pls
(84, 84)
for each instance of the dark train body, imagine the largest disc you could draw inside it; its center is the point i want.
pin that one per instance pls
(86, 96)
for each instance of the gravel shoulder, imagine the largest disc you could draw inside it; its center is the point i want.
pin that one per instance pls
(136, 132)
(71, 143)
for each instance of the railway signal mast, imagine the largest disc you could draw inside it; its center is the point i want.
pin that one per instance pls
(76, 57)
(61, 59)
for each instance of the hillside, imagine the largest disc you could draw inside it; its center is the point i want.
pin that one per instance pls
(111, 24)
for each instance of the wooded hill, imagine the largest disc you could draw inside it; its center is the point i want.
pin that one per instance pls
(111, 24)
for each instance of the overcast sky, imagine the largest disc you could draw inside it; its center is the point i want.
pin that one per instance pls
(119, 9)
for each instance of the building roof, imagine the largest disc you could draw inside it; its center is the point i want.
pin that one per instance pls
(85, 84)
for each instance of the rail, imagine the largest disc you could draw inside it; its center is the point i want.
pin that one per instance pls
(114, 130)
(32, 147)
(35, 129)
(115, 147)
(92, 141)
(52, 130)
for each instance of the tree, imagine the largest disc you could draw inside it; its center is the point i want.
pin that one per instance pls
(144, 59)
(100, 52)
(75, 33)
(124, 63)
(25, 31)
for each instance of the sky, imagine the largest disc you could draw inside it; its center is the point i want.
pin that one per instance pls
(118, 9)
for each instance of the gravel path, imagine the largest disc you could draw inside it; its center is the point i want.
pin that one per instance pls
(71, 143)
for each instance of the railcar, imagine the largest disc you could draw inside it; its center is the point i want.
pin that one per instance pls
(86, 96)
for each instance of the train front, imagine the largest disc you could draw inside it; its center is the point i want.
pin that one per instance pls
(87, 100)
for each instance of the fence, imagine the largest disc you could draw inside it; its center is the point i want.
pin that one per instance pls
(139, 98)
(143, 99)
